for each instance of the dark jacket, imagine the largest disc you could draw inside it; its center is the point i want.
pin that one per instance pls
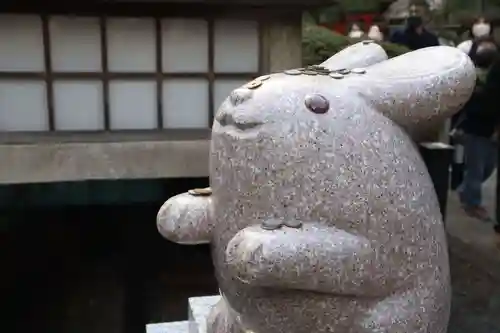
(414, 41)
(481, 113)
(475, 45)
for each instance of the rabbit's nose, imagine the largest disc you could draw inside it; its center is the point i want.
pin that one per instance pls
(240, 95)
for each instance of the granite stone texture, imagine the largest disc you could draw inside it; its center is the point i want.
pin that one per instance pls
(322, 215)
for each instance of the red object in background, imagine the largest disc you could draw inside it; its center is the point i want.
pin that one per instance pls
(365, 20)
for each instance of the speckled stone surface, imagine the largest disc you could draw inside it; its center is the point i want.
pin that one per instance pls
(323, 217)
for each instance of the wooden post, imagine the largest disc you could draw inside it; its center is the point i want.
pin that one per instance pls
(497, 199)
(437, 157)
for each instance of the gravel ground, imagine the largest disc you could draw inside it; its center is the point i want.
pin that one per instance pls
(476, 299)
(475, 268)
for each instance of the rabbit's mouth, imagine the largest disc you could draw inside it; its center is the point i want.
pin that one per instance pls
(227, 120)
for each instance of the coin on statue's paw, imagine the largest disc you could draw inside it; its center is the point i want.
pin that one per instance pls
(201, 192)
(295, 224)
(271, 224)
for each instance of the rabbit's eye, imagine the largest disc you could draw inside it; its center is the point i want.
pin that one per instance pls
(317, 103)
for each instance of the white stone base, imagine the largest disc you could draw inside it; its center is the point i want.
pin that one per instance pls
(199, 309)
(173, 327)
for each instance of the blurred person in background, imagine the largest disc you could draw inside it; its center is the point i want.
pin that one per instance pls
(479, 31)
(414, 36)
(480, 28)
(375, 33)
(479, 122)
(355, 32)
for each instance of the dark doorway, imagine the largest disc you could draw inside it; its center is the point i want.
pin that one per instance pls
(96, 268)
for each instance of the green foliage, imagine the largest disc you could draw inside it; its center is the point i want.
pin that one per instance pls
(330, 14)
(450, 35)
(463, 5)
(394, 50)
(360, 5)
(319, 44)
(308, 19)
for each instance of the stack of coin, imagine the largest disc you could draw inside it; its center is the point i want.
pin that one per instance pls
(310, 71)
(321, 70)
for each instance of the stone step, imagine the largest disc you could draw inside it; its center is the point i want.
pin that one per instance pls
(173, 327)
(199, 309)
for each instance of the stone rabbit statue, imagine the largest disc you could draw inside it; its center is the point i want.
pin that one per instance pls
(321, 213)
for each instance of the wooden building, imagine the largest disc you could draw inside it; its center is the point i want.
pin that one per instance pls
(128, 89)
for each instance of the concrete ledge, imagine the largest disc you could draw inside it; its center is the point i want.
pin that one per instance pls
(58, 162)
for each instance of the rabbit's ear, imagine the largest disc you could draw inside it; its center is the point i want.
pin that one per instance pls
(420, 89)
(361, 54)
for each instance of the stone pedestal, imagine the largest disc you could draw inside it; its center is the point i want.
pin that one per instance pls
(173, 327)
(198, 311)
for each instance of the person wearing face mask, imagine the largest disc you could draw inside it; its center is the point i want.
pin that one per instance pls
(415, 36)
(481, 28)
(479, 121)
(355, 32)
(374, 33)
(480, 31)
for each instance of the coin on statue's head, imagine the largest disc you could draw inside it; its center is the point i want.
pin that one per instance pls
(358, 71)
(254, 84)
(293, 72)
(336, 76)
(310, 72)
